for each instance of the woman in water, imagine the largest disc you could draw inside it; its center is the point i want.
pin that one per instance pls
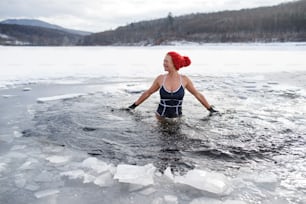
(171, 87)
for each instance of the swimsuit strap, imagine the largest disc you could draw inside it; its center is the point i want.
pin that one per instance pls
(164, 80)
(181, 81)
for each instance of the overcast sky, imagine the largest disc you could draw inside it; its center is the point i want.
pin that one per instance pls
(100, 15)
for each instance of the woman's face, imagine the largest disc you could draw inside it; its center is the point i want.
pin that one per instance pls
(168, 64)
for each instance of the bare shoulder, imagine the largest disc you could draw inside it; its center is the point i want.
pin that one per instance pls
(186, 80)
(159, 79)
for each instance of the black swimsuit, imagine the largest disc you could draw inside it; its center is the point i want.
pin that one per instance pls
(170, 105)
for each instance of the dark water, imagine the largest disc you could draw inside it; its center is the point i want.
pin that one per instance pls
(259, 121)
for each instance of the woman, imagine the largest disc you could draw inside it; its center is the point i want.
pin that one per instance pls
(171, 87)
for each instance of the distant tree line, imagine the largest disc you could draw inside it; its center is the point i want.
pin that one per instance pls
(285, 22)
(282, 23)
(33, 35)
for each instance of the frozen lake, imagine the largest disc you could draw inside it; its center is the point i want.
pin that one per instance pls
(66, 138)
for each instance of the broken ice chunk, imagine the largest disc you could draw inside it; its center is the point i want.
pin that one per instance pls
(75, 174)
(57, 159)
(215, 183)
(32, 187)
(26, 89)
(141, 175)
(169, 174)
(170, 199)
(104, 180)
(20, 181)
(266, 180)
(17, 134)
(205, 200)
(8, 96)
(60, 97)
(95, 164)
(147, 191)
(2, 167)
(167, 199)
(29, 164)
(44, 193)
(234, 202)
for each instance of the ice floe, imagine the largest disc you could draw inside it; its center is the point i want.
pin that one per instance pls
(141, 175)
(205, 200)
(27, 89)
(75, 174)
(28, 164)
(96, 165)
(44, 193)
(104, 180)
(2, 167)
(57, 159)
(211, 182)
(8, 95)
(168, 174)
(59, 97)
(266, 180)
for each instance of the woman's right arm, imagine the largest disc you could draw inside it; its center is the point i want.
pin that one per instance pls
(154, 87)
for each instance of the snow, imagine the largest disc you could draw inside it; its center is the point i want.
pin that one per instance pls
(74, 64)
(4, 36)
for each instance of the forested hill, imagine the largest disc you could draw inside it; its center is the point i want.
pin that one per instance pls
(284, 22)
(12, 34)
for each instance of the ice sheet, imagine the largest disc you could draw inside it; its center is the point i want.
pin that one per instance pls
(59, 97)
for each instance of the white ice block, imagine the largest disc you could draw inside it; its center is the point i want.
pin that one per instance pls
(57, 159)
(215, 183)
(44, 193)
(59, 97)
(141, 175)
(96, 165)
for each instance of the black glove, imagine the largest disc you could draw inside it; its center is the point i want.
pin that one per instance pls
(212, 110)
(132, 107)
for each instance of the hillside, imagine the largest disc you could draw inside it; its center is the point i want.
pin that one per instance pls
(284, 22)
(33, 35)
(39, 23)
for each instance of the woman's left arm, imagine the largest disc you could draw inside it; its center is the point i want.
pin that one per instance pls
(190, 87)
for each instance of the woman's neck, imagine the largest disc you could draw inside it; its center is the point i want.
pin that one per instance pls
(173, 73)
